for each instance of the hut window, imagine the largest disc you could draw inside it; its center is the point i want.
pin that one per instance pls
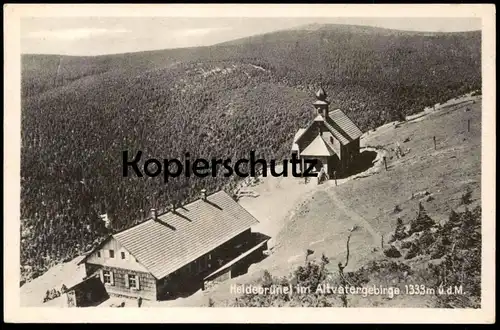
(123, 255)
(331, 140)
(132, 281)
(98, 254)
(107, 277)
(111, 253)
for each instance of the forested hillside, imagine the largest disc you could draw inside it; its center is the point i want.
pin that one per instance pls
(80, 113)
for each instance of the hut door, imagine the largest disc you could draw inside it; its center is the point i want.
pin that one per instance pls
(319, 165)
(71, 299)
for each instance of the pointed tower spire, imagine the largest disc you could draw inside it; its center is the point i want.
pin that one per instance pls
(321, 103)
(321, 94)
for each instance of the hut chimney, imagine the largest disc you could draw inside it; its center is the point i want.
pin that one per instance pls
(204, 194)
(171, 207)
(154, 214)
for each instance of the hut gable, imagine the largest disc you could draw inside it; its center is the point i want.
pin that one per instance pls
(112, 254)
(318, 147)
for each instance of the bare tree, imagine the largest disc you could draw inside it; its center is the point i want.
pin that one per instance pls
(341, 268)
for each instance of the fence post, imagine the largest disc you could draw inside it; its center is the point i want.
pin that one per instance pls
(434, 139)
(385, 163)
(335, 176)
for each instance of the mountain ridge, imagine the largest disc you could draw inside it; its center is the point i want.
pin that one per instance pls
(351, 28)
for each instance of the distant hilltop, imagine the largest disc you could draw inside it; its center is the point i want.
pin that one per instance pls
(355, 28)
(342, 28)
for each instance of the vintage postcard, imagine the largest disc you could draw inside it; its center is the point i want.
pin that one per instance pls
(249, 163)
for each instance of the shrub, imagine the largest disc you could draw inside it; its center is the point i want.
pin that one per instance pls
(413, 251)
(466, 197)
(399, 232)
(421, 222)
(267, 279)
(406, 245)
(392, 252)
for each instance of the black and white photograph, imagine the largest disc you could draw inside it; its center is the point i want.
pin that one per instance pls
(172, 159)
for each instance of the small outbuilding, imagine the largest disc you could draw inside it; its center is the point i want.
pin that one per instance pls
(87, 293)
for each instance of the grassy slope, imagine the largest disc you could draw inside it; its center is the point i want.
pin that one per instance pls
(444, 172)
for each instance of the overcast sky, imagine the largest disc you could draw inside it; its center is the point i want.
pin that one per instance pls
(100, 35)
